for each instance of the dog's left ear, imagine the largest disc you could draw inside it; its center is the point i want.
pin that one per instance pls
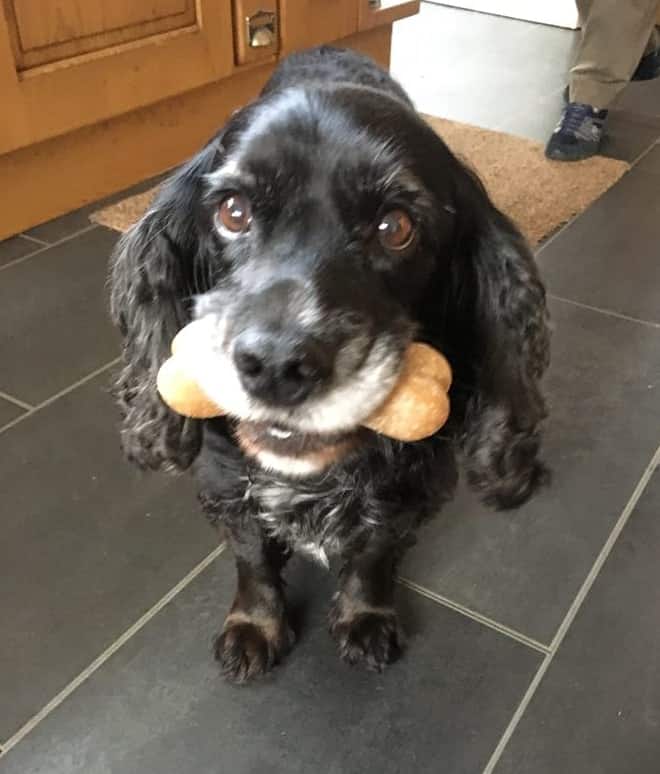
(499, 305)
(153, 279)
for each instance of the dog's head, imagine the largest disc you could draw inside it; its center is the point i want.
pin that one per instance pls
(317, 235)
(325, 238)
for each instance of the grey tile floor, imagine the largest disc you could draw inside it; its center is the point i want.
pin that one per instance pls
(534, 635)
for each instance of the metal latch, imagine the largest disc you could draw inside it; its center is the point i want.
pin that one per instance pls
(261, 29)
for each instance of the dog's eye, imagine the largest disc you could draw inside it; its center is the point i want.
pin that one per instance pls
(396, 230)
(234, 215)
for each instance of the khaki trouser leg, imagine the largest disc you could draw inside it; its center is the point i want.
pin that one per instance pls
(615, 36)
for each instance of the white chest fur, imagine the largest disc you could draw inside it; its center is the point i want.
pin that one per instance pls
(276, 501)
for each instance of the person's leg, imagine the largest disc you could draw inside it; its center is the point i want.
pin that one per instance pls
(615, 36)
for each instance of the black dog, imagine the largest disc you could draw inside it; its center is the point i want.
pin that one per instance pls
(318, 234)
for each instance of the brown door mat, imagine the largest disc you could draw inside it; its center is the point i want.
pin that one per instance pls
(538, 194)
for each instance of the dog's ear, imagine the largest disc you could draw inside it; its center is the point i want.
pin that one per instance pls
(155, 271)
(496, 303)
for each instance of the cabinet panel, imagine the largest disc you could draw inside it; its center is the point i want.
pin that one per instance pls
(312, 22)
(44, 31)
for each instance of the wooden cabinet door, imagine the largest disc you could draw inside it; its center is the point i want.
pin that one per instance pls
(312, 22)
(69, 63)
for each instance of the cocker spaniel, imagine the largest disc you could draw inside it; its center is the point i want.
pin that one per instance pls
(324, 228)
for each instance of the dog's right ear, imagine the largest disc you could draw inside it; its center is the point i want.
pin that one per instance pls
(155, 272)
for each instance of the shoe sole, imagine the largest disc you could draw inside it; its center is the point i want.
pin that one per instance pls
(557, 155)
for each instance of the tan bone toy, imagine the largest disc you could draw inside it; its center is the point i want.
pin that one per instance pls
(417, 407)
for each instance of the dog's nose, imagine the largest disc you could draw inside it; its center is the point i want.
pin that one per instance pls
(279, 368)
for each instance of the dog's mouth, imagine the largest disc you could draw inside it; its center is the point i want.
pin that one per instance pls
(292, 451)
(323, 429)
(287, 440)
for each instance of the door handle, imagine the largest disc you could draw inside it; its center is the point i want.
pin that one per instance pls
(261, 29)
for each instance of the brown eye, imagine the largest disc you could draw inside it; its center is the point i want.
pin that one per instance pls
(396, 230)
(234, 215)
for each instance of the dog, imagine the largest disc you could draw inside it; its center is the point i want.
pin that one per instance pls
(322, 230)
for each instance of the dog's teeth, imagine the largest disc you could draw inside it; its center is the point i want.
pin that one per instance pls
(277, 433)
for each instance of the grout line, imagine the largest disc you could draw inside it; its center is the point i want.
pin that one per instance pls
(45, 247)
(98, 662)
(607, 312)
(20, 403)
(643, 154)
(35, 240)
(478, 617)
(573, 610)
(60, 394)
(539, 248)
(605, 551)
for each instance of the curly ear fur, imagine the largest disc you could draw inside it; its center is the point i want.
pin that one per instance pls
(502, 438)
(155, 270)
(498, 304)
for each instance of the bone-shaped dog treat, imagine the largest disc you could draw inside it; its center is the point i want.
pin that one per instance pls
(417, 407)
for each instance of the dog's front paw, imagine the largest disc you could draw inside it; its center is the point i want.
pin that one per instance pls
(372, 638)
(249, 648)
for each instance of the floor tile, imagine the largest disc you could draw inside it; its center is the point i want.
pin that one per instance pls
(16, 247)
(8, 411)
(87, 545)
(597, 710)
(477, 68)
(608, 257)
(627, 136)
(641, 98)
(523, 568)
(54, 321)
(59, 228)
(538, 120)
(652, 160)
(160, 706)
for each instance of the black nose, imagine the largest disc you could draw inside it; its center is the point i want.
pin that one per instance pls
(280, 368)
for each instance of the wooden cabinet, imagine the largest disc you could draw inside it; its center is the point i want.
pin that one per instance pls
(69, 63)
(312, 22)
(98, 94)
(382, 12)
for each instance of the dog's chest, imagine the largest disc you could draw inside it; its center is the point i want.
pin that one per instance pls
(306, 521)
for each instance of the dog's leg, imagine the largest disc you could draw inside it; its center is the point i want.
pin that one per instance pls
(363, 619)
(256, 633)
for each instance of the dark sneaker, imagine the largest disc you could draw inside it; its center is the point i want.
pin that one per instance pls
(647, 69)
(578, 133)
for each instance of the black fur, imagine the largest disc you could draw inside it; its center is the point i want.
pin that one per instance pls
(470, 288)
